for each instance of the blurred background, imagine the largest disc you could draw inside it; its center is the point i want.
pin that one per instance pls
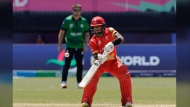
(148, 26)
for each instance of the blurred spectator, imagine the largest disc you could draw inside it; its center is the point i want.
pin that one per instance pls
(40, 40)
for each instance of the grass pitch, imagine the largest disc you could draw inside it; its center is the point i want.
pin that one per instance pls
(46, 92)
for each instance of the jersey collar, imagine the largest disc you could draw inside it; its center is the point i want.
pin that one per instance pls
(76, 20)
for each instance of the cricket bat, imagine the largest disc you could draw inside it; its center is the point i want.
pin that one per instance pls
(90, 73)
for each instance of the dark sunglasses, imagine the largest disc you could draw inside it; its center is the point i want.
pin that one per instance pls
(76, 10)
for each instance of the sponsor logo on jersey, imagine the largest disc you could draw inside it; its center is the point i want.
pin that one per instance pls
(71, 25)
(76, 34)
(81, 25)
(106, 37)
(99, 42)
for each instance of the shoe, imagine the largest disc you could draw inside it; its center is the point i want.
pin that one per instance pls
(85, 104)
(78, 86)
(128, 104)
(63, 84)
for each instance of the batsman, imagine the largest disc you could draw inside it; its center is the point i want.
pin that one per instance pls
(106, 39)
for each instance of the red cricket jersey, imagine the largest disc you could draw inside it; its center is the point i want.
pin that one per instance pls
(97, 44)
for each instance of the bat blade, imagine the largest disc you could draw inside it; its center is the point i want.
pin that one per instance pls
(89, 74)
(87, 78)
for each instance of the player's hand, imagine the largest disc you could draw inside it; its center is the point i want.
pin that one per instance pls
(109, 48)
(59, 48)
(101, 58)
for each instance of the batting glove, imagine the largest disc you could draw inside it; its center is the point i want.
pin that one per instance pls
(102, 58)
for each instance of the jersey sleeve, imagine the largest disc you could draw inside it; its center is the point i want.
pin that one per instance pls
(93, 46)
(64, 25)
(112, 31)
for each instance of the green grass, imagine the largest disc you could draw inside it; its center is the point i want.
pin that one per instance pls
(47, 91)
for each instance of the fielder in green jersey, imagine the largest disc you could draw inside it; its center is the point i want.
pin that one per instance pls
(75, 31)
(75, 28)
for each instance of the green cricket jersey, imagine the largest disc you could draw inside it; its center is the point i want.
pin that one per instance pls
(74, 31)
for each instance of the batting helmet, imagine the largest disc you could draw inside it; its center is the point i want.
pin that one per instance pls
(96, 21)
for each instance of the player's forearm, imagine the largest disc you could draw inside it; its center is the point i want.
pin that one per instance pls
(118, 39)
(60, 37)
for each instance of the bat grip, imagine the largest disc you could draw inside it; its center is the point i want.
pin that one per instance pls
(105, 53)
